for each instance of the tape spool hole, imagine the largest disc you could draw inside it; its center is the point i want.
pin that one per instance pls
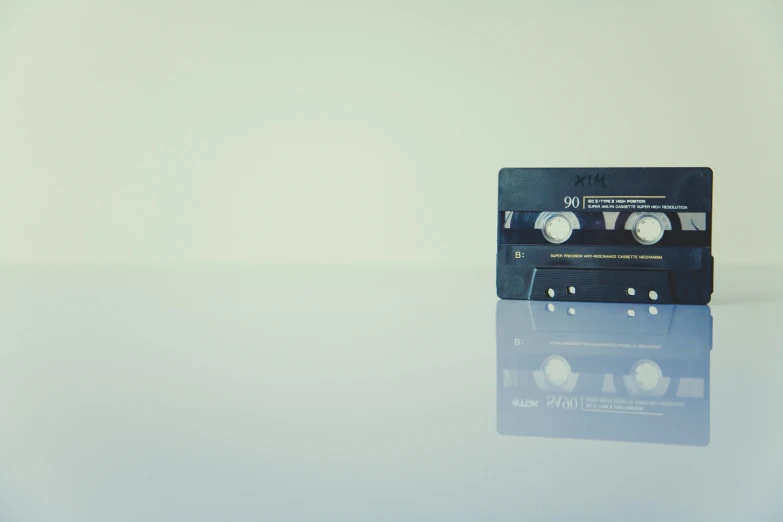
(647, 375)
(557, 229)
(653, 295)
(648, 230)
(630, 291)
(550, 292)
(571, 290)
(556, 370)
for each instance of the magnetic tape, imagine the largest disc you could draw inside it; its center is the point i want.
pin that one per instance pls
(614, 235)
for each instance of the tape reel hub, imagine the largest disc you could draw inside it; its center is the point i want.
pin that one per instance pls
(648, 229)
(557, 228)
(556, 370)
(646, 375)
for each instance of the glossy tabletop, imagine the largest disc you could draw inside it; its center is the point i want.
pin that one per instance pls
(380, 392)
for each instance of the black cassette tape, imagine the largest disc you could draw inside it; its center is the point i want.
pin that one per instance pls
(604, 371)
(635, 235)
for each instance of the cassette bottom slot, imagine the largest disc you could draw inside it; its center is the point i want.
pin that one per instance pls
(631, 286)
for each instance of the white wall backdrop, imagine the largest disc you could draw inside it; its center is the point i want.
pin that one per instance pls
(365, 131)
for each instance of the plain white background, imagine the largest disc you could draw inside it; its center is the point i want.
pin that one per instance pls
(366, 131)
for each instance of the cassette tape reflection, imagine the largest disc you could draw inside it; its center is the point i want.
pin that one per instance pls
(604, 371)
(635, 235)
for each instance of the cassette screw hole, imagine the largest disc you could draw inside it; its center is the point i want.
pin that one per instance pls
(550, 292)
(653, 310)
(571, 290)
(571, 311)
(631, 313)
(630, 291)
(653, 295)
(550, 307)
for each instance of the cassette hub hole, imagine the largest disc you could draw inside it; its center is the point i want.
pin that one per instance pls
(646, 375)
(557, 229)
(556, 370)
(648, 230)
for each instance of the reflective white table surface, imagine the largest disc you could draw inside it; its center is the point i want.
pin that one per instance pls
(276, 393)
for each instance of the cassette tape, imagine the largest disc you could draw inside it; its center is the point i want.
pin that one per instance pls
(604, 371)
(634, 235)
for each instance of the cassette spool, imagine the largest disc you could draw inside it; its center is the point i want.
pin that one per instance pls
(612, 235)
(604, 371)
